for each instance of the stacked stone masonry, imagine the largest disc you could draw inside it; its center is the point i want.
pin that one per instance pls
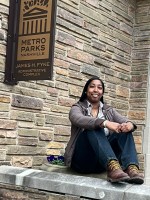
(108, 38)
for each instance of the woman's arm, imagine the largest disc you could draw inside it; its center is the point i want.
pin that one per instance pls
(126, 124)
(78, 119)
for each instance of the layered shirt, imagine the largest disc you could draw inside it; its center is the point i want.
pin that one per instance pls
(100, 114)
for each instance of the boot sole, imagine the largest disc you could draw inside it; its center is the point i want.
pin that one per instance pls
(136, 180)
(125, 179)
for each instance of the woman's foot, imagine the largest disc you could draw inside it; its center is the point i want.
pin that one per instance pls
(115, 173)
(135, 175)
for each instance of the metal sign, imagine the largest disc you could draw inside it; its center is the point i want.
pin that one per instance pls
(30, 40)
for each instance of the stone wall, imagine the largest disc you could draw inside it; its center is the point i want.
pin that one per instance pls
(140, 63)
(93, 37)
(19, 193)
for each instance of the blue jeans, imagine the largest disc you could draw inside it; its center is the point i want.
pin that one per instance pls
(94, 150)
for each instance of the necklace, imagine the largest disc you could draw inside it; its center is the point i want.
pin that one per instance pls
(95, 112)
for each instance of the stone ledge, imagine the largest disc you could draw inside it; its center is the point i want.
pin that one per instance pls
(81, 186)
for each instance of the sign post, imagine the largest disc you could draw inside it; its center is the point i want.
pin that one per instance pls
(30, 40)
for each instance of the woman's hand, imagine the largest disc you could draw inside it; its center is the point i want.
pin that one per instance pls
(126, 127)
(113, 126)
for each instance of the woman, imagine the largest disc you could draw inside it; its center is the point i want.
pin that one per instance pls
(101, 139)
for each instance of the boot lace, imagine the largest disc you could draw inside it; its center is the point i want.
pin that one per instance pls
(133, 168)
(113, 165)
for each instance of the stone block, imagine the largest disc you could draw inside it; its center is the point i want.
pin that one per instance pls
(26, 102)
(25, 150)
(60, 52)
(76, 75)
(46, 135)
(2, 63)
(55, 145)
(22, 115)
(90, 70)
(125, 76)
(136, 115)
(75, 91)
(2, 35)
(81, 56)
(37, 160)
(94, 3)
(4, 107)
(3, 49)
(123, 37)
(62, 71)
(143, 19)
(98, 45)
(66, 38)
(139, 95)
(31, 92)
(68, 102)
(74, 67)
(7, 141)
(42, 143)
(11, 134)
(21, 161)
(61, 138)
(135, 193)
(138, 55)
(2, 154)
(63, 197)
(120, 105)
(50, 100)
(74, 28)
(103, 62)
(60, 109)
(122, 91)
(114, 24)
(11, 194)
(71, 5)
(28, 132)
(96, 16)
(4, 99)
(22, 124)
(53, 152)
(63, 93)
(5, 25)
(68, 16)
(4, 9)
(57, 120)
(3, 133)
(69, 80)
(124, 47)
(122, 13)
(91, 50)
(40, 121)
(27, 141)
(61, 85)
(8, 124)
(61, 63)
(122, 60)
(138, 139)
(126, 28)
(5, 2)
(62, 130)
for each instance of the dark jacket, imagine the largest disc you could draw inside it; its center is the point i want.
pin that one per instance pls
(80, 120)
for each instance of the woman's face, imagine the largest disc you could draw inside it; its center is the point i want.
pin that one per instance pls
(94, 91)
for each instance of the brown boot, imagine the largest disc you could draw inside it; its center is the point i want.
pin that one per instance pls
(135, 176)
(115, 173)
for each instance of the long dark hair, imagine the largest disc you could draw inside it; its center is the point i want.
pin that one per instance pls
(84, 96)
